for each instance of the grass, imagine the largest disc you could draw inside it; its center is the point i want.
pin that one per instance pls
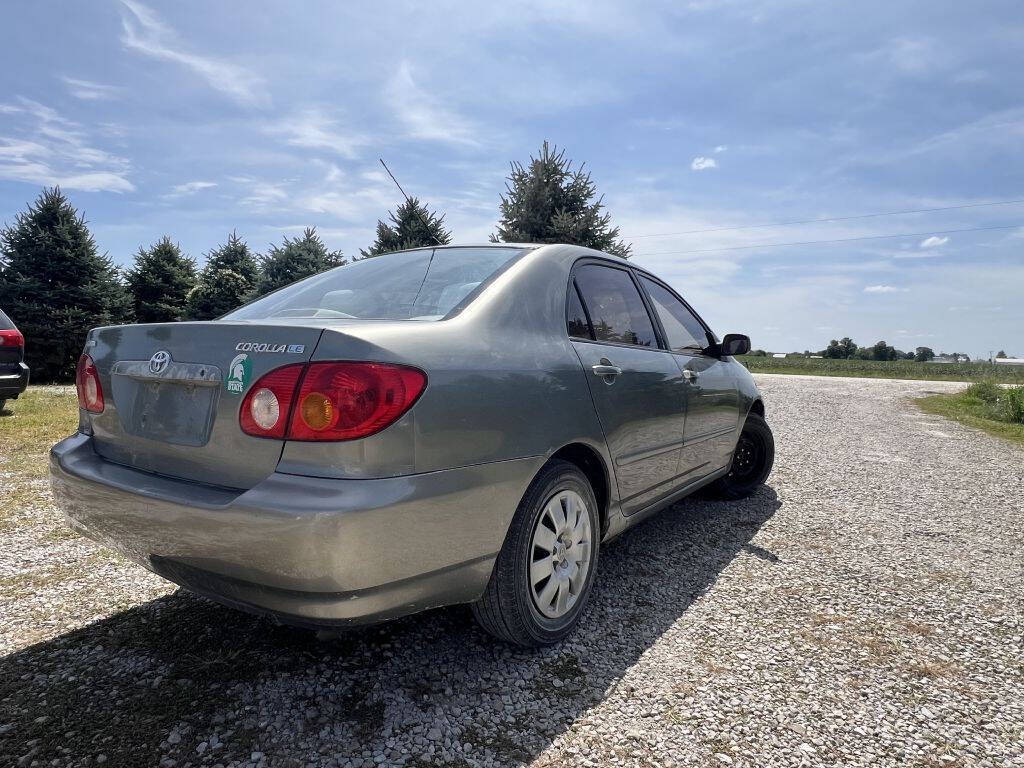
(28, 427)
(31, 424)
(878, 369)
(983, 405)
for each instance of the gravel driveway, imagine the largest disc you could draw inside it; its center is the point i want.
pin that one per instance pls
(864, 609)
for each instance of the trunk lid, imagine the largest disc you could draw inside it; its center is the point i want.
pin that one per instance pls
(172, 394)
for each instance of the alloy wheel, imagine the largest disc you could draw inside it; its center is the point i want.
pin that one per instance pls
(560, 554)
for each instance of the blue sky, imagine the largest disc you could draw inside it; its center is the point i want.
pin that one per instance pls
(194, 118)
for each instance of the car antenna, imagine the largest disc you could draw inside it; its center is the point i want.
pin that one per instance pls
(426, 226)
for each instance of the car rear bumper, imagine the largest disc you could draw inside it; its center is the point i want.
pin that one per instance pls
(309, 551)
(13, 381)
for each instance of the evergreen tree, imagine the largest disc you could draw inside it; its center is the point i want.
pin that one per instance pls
(295, 259)
(56, 286)
(412, 226)
(226, 282)
(549, 202)
(160, 281)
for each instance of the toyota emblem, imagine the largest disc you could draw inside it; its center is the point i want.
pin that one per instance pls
(159, 361)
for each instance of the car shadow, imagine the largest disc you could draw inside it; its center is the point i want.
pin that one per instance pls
(181, 664)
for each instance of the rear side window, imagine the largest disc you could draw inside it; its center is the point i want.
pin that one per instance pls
(5, 322)
(576, 317)
(617, 313)
(683, 330)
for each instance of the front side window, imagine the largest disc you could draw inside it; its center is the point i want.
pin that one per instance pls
(617, 313)
(425, 284)
(683, 331)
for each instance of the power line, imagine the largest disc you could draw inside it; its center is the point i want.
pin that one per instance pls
(824, 242)
(831, 218)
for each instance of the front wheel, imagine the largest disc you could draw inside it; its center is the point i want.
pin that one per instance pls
(544, 572)
(751, 461)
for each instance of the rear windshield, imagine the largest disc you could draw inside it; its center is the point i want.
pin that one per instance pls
(5, 322)
(409, 285)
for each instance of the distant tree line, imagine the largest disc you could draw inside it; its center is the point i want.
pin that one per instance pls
(846, 348)
(56, 285)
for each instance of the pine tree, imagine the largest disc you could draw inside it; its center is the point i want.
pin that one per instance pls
(412, 226)
(160, 281)
(56, 286)
(226, 282)
(295, 259)
(549, 202)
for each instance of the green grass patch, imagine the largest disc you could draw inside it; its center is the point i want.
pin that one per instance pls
(28, 427)
(984, 405)
(33, 423)
(885, 369)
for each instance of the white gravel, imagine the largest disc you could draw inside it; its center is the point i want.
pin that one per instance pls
(863, 609)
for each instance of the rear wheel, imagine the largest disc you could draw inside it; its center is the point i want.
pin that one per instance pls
(544, 572)
(2, 404)
(751, 461)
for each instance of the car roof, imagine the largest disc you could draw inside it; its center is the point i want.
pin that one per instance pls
(584, 251)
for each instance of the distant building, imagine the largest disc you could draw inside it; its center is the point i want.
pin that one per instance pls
(815, 357)
(778, 354)
(1009, 360)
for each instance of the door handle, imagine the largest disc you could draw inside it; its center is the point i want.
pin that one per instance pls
(691, 375)
(607, 370)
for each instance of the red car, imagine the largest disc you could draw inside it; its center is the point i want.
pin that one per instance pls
(13, 371)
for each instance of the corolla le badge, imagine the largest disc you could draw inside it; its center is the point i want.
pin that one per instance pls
(255, 346)
(159, 361)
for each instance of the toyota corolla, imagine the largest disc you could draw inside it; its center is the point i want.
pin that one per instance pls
(429, 427)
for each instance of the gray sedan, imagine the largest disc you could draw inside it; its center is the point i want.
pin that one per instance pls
(434, 426)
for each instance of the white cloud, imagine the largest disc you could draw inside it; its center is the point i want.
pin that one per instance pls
(56, 152)
(720, 148)
(884, 289)
(88, 90)
(933, 242)
(703, 163)
(260, 194)
(312, 129)
(191, 187)
(424, 117)
(143, 31)
(916, 56)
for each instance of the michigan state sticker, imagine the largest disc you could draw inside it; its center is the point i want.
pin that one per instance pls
(239, 373)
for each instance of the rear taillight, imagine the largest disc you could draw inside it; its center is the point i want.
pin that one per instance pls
(346, 401)
(87, 381)
(330, 401)
(11, 338)
(266, 407)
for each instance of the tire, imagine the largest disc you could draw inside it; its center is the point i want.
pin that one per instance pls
(2, 404)
(751, 461)
(511, 606)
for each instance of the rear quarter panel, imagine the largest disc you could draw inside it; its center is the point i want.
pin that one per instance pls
(503, 383)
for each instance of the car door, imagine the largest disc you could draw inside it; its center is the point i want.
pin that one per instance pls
(636, 386)
(712, 391)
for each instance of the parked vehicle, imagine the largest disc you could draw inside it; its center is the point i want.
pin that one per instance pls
(434, 426)
(13, 371)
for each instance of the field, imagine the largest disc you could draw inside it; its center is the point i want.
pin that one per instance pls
(876, 369)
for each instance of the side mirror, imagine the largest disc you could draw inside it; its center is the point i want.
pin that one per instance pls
(734, 344)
